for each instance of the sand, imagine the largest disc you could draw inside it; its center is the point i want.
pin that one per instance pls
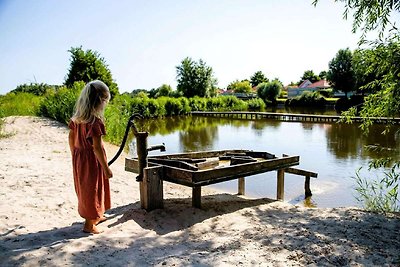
(39, 223)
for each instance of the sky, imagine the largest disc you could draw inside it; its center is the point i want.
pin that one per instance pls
(142, 42)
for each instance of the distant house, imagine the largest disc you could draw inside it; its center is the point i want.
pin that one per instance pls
(306, 85)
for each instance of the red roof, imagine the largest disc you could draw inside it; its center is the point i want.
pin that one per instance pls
(320, 84)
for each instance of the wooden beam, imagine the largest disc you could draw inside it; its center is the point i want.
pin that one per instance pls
(280, 185)
(301, 172)
(241, 186)
(152, 195)
(196, 197)
(307, 187)
(213, 162)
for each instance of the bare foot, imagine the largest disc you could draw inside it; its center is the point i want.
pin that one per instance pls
(102, 219)
(90, 227)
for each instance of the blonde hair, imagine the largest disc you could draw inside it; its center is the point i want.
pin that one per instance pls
(91, 102)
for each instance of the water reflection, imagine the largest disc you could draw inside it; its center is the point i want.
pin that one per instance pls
(349, 141)
(303, 110)
(344, 141)
(335, 151)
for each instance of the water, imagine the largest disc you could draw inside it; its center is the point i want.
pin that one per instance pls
(334, 151)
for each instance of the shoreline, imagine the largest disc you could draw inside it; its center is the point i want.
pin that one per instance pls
(40, 224)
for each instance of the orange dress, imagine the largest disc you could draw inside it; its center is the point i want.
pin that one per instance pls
(91, 185)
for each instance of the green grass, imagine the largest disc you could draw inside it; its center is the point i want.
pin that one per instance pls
(21, 104)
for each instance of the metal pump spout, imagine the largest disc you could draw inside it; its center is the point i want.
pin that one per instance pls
(157, 147)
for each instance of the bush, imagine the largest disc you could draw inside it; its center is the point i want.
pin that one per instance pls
(327, 93)
(38, 89)
(198, 103)
(20, 104)
(60, 105)
(269, 91)
(256, 104)
(307, 99)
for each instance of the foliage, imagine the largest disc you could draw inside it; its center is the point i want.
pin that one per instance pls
(384, 81)
(341, 72)
(38, 89)
(87, 66)
(164, 90)
(195, 79)
(370, 15)
(307, 99)
(269, 91)
(257, 78)
(326, 93)
(240, 87)
(309, 75)
(323, 75)
(19, 104)
(256, 104)
(60, 105)
(381, 194)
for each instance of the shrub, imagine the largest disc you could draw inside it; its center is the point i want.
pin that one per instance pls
(198, 103)
(21, 104)
(38, 89)
(327, 93)
(269, 91)
(256, 104)
(60, 105)
(307, 99)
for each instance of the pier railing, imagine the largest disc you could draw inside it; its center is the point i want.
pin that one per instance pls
(288, 116)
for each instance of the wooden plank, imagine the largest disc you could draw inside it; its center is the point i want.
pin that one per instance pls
(301, 172)
(247, 169)
(132, 165)
(199, 154)
(280, 185)
(213, 162)
(189, 160)
(152, 196)
(260, 154)
(174, 163)
(241, 160)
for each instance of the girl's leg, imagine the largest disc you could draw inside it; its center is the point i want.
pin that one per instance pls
(90, 227)
(101, 219)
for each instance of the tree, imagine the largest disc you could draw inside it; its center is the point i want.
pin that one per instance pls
(164, 90)
(341, 73)
(269, 91)
(195, 79)
(240, 87)
(257, 78)
(384, 59)
(87, 66)
(370, 15)
(323, 74)
(309, 75)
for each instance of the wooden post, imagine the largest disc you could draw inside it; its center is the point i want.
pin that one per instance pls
(241, 186)
(280, 185)
(196, 197)
(141, 148)
(152, 188)
(307, 187)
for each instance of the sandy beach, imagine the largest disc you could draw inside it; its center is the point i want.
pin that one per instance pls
(40, 225)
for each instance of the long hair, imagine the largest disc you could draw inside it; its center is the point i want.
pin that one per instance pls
(91, 102)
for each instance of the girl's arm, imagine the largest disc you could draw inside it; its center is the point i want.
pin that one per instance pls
(101, 156)
(71, 141)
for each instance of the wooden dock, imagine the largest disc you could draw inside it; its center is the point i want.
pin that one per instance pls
(287, 117)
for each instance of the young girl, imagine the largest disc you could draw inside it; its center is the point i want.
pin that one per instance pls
(89, 161)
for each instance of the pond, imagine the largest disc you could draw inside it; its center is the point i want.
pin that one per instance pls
(335, 151)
